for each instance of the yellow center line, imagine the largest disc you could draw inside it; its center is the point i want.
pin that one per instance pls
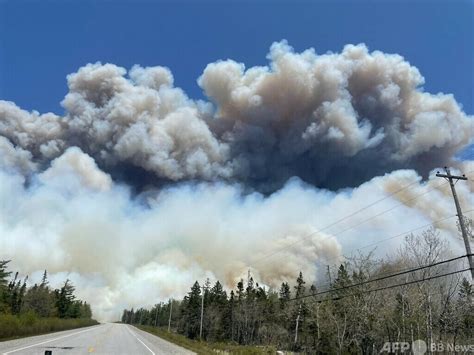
(99, 340)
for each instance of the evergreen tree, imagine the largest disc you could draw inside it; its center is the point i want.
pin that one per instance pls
(4, 275)
(192, 312)
(40, 299)
(300, 288)
(466, 307)
(65, 300)
(228, 322)
(216, 307)
(44, 280)
(284, 294)
(342, 280)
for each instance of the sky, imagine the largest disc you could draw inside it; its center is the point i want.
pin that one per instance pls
(43, 41)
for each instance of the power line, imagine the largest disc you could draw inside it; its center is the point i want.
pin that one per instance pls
(352, 227)
(381, 278)
(356, 212)
(369, 205)
(388, 287)
(432, 224)
(405, 233)
(386, 239)
(393, 286)
(390, 209)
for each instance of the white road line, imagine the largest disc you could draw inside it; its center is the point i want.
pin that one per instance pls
(47, 341)
(139, 340)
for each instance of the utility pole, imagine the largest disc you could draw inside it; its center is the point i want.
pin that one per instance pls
(329, 274)
(156, 314)
(171, 310)
(467, 244)
(202, 311)
(297, 324)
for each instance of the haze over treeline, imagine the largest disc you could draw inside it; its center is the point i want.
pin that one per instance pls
(138, 190)
(356, 310)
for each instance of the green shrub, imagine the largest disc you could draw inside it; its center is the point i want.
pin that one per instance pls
(29, 323)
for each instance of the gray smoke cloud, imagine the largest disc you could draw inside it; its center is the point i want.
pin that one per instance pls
(277, 153)
(334, 120)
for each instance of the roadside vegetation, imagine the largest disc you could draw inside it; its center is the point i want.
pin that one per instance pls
(338, 315)
(38, 309)
(203, 347)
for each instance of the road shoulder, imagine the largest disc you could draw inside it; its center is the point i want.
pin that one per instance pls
(15, 344)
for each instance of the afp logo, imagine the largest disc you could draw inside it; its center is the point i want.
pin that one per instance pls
(418, 347)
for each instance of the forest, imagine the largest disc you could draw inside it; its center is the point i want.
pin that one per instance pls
(360, 306)
(30, 310)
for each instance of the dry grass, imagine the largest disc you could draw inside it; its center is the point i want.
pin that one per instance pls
(29, 324)
(202, 347)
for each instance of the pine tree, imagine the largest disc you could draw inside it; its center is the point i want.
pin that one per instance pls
(228, 322)
(300, 288)
(300, 309)
(285, 316)
(40, 299)
(4, 275)
(466, 307)
(284, 294)
(44, 280)
(216, 307)
(192, 312)
(65, 299)
(86, 311)
(15, 294)
(342, 280)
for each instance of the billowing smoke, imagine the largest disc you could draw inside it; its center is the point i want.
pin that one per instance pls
(334, 120)
(138, 190)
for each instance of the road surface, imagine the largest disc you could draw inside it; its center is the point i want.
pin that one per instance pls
(110, 338)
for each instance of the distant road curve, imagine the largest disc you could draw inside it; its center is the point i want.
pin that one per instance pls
(109, 338)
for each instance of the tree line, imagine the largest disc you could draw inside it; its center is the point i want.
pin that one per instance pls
(38, 308)
(349, 317)
(41, 299)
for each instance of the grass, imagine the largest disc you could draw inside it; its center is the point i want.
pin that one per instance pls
(29, 324)
(202, 347)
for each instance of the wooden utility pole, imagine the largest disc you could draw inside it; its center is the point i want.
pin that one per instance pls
(156, 314)
(466, 237)
(329, 274)
(297, 324)
(202, 311)
(171, 310)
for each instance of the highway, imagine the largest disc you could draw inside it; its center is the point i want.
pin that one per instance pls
(109, 338)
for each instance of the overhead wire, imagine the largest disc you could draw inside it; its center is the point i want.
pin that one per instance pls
(356, 212)
(409, 271)
(397, 285)
(432, 224)
(386, 239)
(340, 220)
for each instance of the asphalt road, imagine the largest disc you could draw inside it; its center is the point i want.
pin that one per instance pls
(110, 338)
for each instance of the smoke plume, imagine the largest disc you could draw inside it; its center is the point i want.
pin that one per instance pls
(139, 190)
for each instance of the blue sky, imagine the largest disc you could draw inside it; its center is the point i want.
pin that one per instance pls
(42, 41)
